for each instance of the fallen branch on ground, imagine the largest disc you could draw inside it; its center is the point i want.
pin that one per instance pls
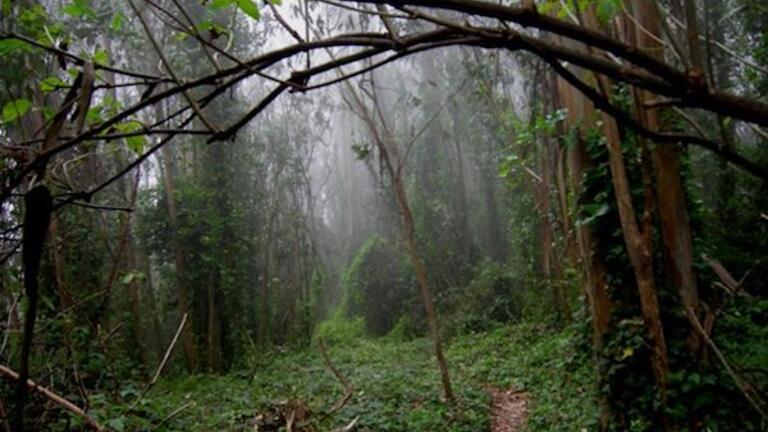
(347, 388)
(348, 427)
(53, 397)
(174, 414)
(160, 368)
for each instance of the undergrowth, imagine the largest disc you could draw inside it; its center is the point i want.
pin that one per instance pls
(396, 386)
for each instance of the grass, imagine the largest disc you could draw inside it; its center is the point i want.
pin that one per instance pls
(396, 386)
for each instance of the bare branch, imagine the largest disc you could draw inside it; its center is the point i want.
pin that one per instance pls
(55, 398)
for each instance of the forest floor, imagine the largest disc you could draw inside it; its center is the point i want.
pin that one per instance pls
(509, 411)
(512, 378)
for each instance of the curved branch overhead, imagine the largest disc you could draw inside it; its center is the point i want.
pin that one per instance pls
(383, 175)
(640, 70)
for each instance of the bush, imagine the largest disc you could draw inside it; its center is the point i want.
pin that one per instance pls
(338, 330)
(492, 297)
(376, 284)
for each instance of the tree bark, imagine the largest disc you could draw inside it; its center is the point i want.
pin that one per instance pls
(595, 284)
(463, 213)
(640, 254)
(187, 338)
(409, 232)
(421, 277)
(673, 211)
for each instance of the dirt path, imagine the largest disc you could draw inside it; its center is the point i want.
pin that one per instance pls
(510, 410)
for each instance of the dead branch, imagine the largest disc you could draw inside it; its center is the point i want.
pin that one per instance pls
(161, 366)
(348, 391)
(175, 412)
(727, 281)
(746, 388)
(349, 427)
(53, 397)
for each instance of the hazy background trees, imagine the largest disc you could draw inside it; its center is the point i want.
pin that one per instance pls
(524, 201)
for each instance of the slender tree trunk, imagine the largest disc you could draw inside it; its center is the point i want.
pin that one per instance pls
(213, 328)
(135, 304)
(464, 234)
(494, 233)
(54, 250)
(691, 22)
(409, 232)
(421, 278)
(549, 260)
(154, 313)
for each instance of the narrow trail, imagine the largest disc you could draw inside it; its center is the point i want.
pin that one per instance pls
(510, 410)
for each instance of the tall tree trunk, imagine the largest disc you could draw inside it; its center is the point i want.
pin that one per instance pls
(691, 22)
(132, 264)
(673, 211)
(409, 232)
(421, 277)
(187, 338)
(595, 286)
(494, 233)
(213, 328)
(463, 214)
(54, 251)
(549, 259)
(640, 254)
(143, 262)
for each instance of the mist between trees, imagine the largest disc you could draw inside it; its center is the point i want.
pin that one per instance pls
(384, 215)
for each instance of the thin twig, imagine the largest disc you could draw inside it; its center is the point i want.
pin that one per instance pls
(169, 67)
(169, 350)
(102, 206)
(284, 23)
(173, 414)
(8, 322)
(746, 388)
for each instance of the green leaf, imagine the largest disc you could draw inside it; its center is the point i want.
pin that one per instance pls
(95, 115)
(15, 109)
(607, 9)
(7, 46)
(250, 8)
(129, 126)
(48, 113)
(52, 84)
(79, 9)
(627, 353)
(136, 143)
(128, 278)
(101, 57)
(117, 22)
(132, 276)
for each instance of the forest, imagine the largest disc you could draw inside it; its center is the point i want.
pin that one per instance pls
(384, 215)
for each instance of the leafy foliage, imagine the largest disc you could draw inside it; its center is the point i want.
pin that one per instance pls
(386, 377)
